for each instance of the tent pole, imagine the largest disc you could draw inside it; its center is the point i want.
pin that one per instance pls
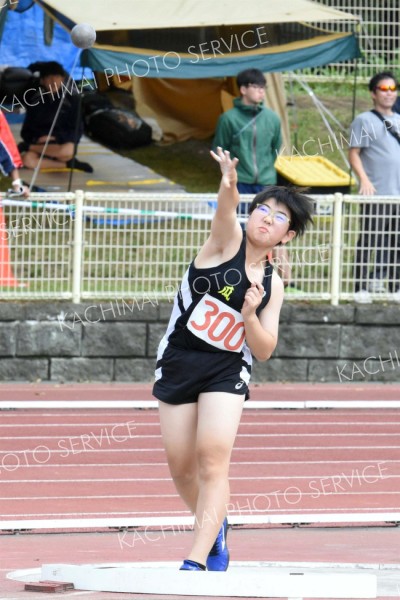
(295, 114)
(3, 17)
(353, 108)
(77, 123)
(322, 109)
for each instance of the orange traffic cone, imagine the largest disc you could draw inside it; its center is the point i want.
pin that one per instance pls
(6, 275)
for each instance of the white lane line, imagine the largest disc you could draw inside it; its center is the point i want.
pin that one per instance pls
(233, 495)
(366, 461)
(19, 416)
(310, 517)
(123, 438)
(137, 514)
(128, 518)
(284, 448)
(64, 425)
(347, 477)
(243, 423)
(250, 404)
(235, 449)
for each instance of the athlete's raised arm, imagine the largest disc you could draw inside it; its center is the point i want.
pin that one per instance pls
(225, 226)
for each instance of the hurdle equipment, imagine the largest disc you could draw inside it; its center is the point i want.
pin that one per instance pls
(253, 579)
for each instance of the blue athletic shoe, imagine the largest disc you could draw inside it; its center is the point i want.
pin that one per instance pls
(218, 559)
(191, 565)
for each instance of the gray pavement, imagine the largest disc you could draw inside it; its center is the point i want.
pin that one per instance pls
(112, 173)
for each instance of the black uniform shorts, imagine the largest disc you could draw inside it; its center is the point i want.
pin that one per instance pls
(181, 375)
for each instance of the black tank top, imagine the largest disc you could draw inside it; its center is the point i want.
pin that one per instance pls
(208, 305)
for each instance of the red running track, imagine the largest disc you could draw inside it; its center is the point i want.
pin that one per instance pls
(60, 464)
(110, 463)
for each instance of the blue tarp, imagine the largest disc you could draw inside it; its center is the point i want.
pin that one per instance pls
(180, 67)
(23, 42)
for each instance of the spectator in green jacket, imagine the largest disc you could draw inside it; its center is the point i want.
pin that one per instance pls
(252, 133)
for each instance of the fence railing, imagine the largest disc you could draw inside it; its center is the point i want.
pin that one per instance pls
(378, 35)
(83, 246)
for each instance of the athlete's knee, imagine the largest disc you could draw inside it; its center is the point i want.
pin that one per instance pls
(213, 462)
(184, 478)
(182, 471)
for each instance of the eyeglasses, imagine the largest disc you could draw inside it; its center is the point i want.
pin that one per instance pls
(256, 86)
(277, 216)
(386, 88)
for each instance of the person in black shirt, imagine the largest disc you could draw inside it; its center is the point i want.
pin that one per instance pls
(42, 105)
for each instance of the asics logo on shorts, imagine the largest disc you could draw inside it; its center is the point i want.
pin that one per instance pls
(239, 385)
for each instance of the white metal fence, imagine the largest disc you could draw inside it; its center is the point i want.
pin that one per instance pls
(378, 35)
(137, 246)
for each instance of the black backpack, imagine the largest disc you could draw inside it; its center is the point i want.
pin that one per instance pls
(114, 127)
(14, 82)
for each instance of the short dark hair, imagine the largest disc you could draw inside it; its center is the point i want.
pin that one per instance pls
(250, 76)
(300, 206)
(376, 79)
(45, 68)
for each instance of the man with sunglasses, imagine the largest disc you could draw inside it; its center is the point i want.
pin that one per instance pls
(375, 158)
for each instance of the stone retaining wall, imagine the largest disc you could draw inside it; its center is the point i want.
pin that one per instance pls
(117, 341)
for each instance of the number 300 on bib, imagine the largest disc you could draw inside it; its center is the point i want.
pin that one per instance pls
(217, 324)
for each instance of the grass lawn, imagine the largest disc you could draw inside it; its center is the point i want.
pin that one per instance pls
(189, 164)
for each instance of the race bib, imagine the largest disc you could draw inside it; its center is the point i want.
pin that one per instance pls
(217, 324)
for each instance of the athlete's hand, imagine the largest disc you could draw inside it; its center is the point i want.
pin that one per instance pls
(227, 165)
(252, 299)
